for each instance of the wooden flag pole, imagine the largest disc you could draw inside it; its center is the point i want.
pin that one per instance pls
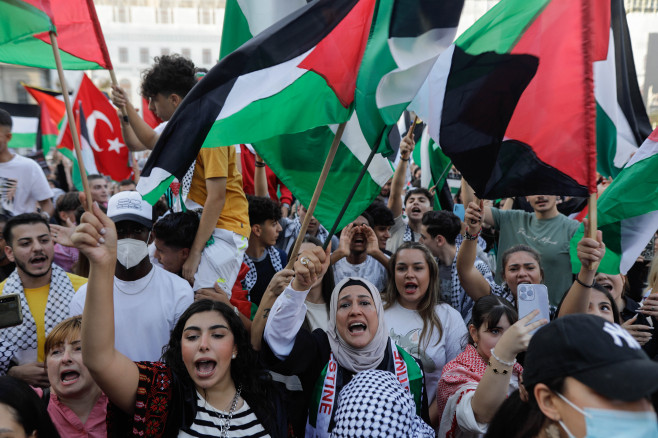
(359, 178)
(316, 194)
(71, 120)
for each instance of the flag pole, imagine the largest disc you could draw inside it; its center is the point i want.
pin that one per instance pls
(359, 178)
(316, 194)
(71, 121)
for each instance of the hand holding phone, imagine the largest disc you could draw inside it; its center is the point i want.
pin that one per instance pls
(531, 297)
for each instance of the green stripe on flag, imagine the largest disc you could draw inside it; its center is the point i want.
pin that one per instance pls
(37, 53)
(236, 29)
(20, 21)
(23, 140)
(501, 33)
(322, 109)
(606, 143)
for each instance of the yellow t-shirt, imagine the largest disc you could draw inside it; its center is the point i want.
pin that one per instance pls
(220, 162)
(37, 299)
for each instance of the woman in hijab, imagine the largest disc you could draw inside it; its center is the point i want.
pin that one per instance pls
(355, 340)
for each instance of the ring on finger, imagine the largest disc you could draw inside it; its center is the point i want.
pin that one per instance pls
(304, 261)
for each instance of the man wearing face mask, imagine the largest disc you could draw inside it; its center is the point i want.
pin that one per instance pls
(147, 299)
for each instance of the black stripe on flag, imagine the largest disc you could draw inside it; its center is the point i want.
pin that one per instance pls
(412, 18)
(481, 95)
(294, 35)
(21, 109)
(628, 90)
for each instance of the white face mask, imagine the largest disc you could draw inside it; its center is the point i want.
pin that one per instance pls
(131, 251)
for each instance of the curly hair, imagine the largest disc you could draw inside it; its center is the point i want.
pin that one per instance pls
(429, 301)
(170, 74)
(246, 370)
(262, 209)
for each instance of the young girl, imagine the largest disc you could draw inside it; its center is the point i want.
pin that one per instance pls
(475, 383)
(417, 321)
(210, 383)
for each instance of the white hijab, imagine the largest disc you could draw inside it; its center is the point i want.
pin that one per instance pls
(357, 359)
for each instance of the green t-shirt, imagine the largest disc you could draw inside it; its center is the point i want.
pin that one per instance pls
(548, 236)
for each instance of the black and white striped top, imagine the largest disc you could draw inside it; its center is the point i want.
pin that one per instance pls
(208, 422)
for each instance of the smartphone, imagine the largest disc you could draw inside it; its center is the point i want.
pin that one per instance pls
(459, 211)
(531, 297)
(11, 313)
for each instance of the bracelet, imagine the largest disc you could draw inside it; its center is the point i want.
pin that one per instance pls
(495, 370)
(402, 159)
(588, 286)
(509, 364)
(469, 236)
(260, 164)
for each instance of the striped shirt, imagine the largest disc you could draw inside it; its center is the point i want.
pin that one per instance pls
(208, 422)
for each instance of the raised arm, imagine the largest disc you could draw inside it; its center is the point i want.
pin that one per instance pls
(288, 311)
(400, 176)
(468, 196)
(260, 178)
(277, 285)
(137, 134)
(471, 279)
(492, 389)
(590, 252)
(114, 373)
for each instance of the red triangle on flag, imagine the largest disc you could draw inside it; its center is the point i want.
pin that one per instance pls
(337, 57)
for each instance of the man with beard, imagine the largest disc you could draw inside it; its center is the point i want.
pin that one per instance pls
(45, 291)
(358, 254)
(416, 202)
(147, 299)
(6, 266)
(545, 229)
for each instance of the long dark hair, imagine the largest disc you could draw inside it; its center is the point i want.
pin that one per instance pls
(246, 370)
(517, 418)
(426, 306)
(26, 407)
(488, 310)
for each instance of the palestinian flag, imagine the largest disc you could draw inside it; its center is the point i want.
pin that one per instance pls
(79, 35)
(296, 75)
(25, 121)
(512, 102)
(52, 114)
(407, 38)
(627, 211)
(622, 123)
(244, 19)
(433, 163)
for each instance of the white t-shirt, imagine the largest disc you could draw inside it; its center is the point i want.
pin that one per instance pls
(22, 185)
(145, 312)
(371, 270)
(405, 327)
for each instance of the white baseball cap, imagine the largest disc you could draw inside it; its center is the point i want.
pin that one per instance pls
(129, 206)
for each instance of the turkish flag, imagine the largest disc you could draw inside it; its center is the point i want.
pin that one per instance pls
(104, 130)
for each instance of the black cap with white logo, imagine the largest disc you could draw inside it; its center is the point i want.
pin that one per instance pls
(596, 352)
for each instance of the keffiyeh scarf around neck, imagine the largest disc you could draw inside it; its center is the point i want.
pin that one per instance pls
(252, 276)
(24, 336)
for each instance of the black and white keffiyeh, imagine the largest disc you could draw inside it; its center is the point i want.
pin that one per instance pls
(374, 404)
(252, 276)
(24, 336)
(408, 235)
(292, 231)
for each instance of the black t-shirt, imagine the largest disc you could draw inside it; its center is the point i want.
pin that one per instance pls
(6, 270)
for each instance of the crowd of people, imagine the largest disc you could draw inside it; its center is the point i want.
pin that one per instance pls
(194, 317)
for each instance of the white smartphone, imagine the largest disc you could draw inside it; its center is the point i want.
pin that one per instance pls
(531, 297)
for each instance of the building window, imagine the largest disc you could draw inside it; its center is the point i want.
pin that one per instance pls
(122, 14)
(163, 16)
(123, 55)
(206, 56)
(144, 57)
(206, 16)
(187, 53)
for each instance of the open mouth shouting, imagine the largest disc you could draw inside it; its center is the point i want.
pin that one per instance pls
(410, 287)
(357, 328)
(205, 367)
(69, 377)
(39, 261)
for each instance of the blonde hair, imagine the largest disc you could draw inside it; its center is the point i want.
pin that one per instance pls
(64, 331)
